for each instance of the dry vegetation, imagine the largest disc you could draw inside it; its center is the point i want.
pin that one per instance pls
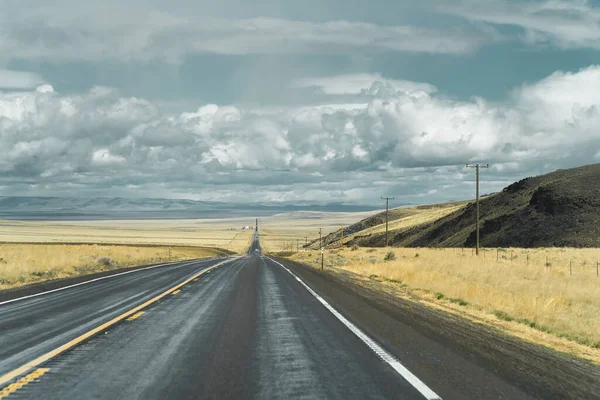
(205, 233)
(22, 264)
(34, 251)
(419, 217)
(530, 287)
(286, 231)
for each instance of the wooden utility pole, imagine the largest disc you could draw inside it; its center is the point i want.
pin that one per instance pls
(320, 238)
(322, 258)
(477, 167)
(387, 204)
(342, 237)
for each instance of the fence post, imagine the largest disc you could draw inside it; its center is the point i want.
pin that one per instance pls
(527, 258)
(570, 267)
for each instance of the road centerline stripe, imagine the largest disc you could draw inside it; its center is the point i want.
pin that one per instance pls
(378, 350)
(135, 316)
(23, 369)
(13, 387)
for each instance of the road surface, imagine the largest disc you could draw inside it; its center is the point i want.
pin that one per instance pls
(236, 328)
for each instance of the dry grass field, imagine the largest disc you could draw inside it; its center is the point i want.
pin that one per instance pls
(207, 233)
(555, 291)
(420, 216)
(34, 251)
(286, 231)
(22, 264)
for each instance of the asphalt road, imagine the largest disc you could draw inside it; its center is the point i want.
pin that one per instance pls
(247, 329)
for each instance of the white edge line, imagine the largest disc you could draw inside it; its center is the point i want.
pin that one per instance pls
(106, 277)
(378, 350)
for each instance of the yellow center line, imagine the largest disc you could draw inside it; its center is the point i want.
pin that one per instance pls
(13, 387)
(135, 316)
(175, 292)
(23, 369)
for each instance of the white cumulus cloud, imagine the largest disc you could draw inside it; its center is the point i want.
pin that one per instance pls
(412, 142)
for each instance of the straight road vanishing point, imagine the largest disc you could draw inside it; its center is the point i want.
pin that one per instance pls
(232, 328)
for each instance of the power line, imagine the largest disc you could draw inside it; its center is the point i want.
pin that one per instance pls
(387, 203)
(477, 167)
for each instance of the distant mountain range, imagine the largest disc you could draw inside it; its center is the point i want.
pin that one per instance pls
(75, 208)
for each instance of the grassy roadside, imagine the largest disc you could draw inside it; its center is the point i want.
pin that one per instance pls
(24, 264)
(543, 305)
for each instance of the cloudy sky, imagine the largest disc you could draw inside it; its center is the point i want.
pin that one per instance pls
(288, 101)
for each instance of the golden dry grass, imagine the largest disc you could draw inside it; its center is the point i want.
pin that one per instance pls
(519, 288)
(222, 233)
(28, 257)
(22, 264)
(285, 231)
(420, 216)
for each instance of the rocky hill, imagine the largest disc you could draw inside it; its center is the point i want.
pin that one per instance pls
(369, 227)
(560, 209)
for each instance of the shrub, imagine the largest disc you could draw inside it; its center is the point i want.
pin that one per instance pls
(417, 255)
(354, 247)
(458, 301)
(390, 256)
(371, 250)
(503, 316)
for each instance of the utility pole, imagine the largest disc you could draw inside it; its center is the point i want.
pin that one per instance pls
(477, 167)
(342, 237)
(320, 238)
(322, 258)
(387, 203)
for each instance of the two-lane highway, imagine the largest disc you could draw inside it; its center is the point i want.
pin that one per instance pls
(36, 325)
(246, 330)
(246, 327)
